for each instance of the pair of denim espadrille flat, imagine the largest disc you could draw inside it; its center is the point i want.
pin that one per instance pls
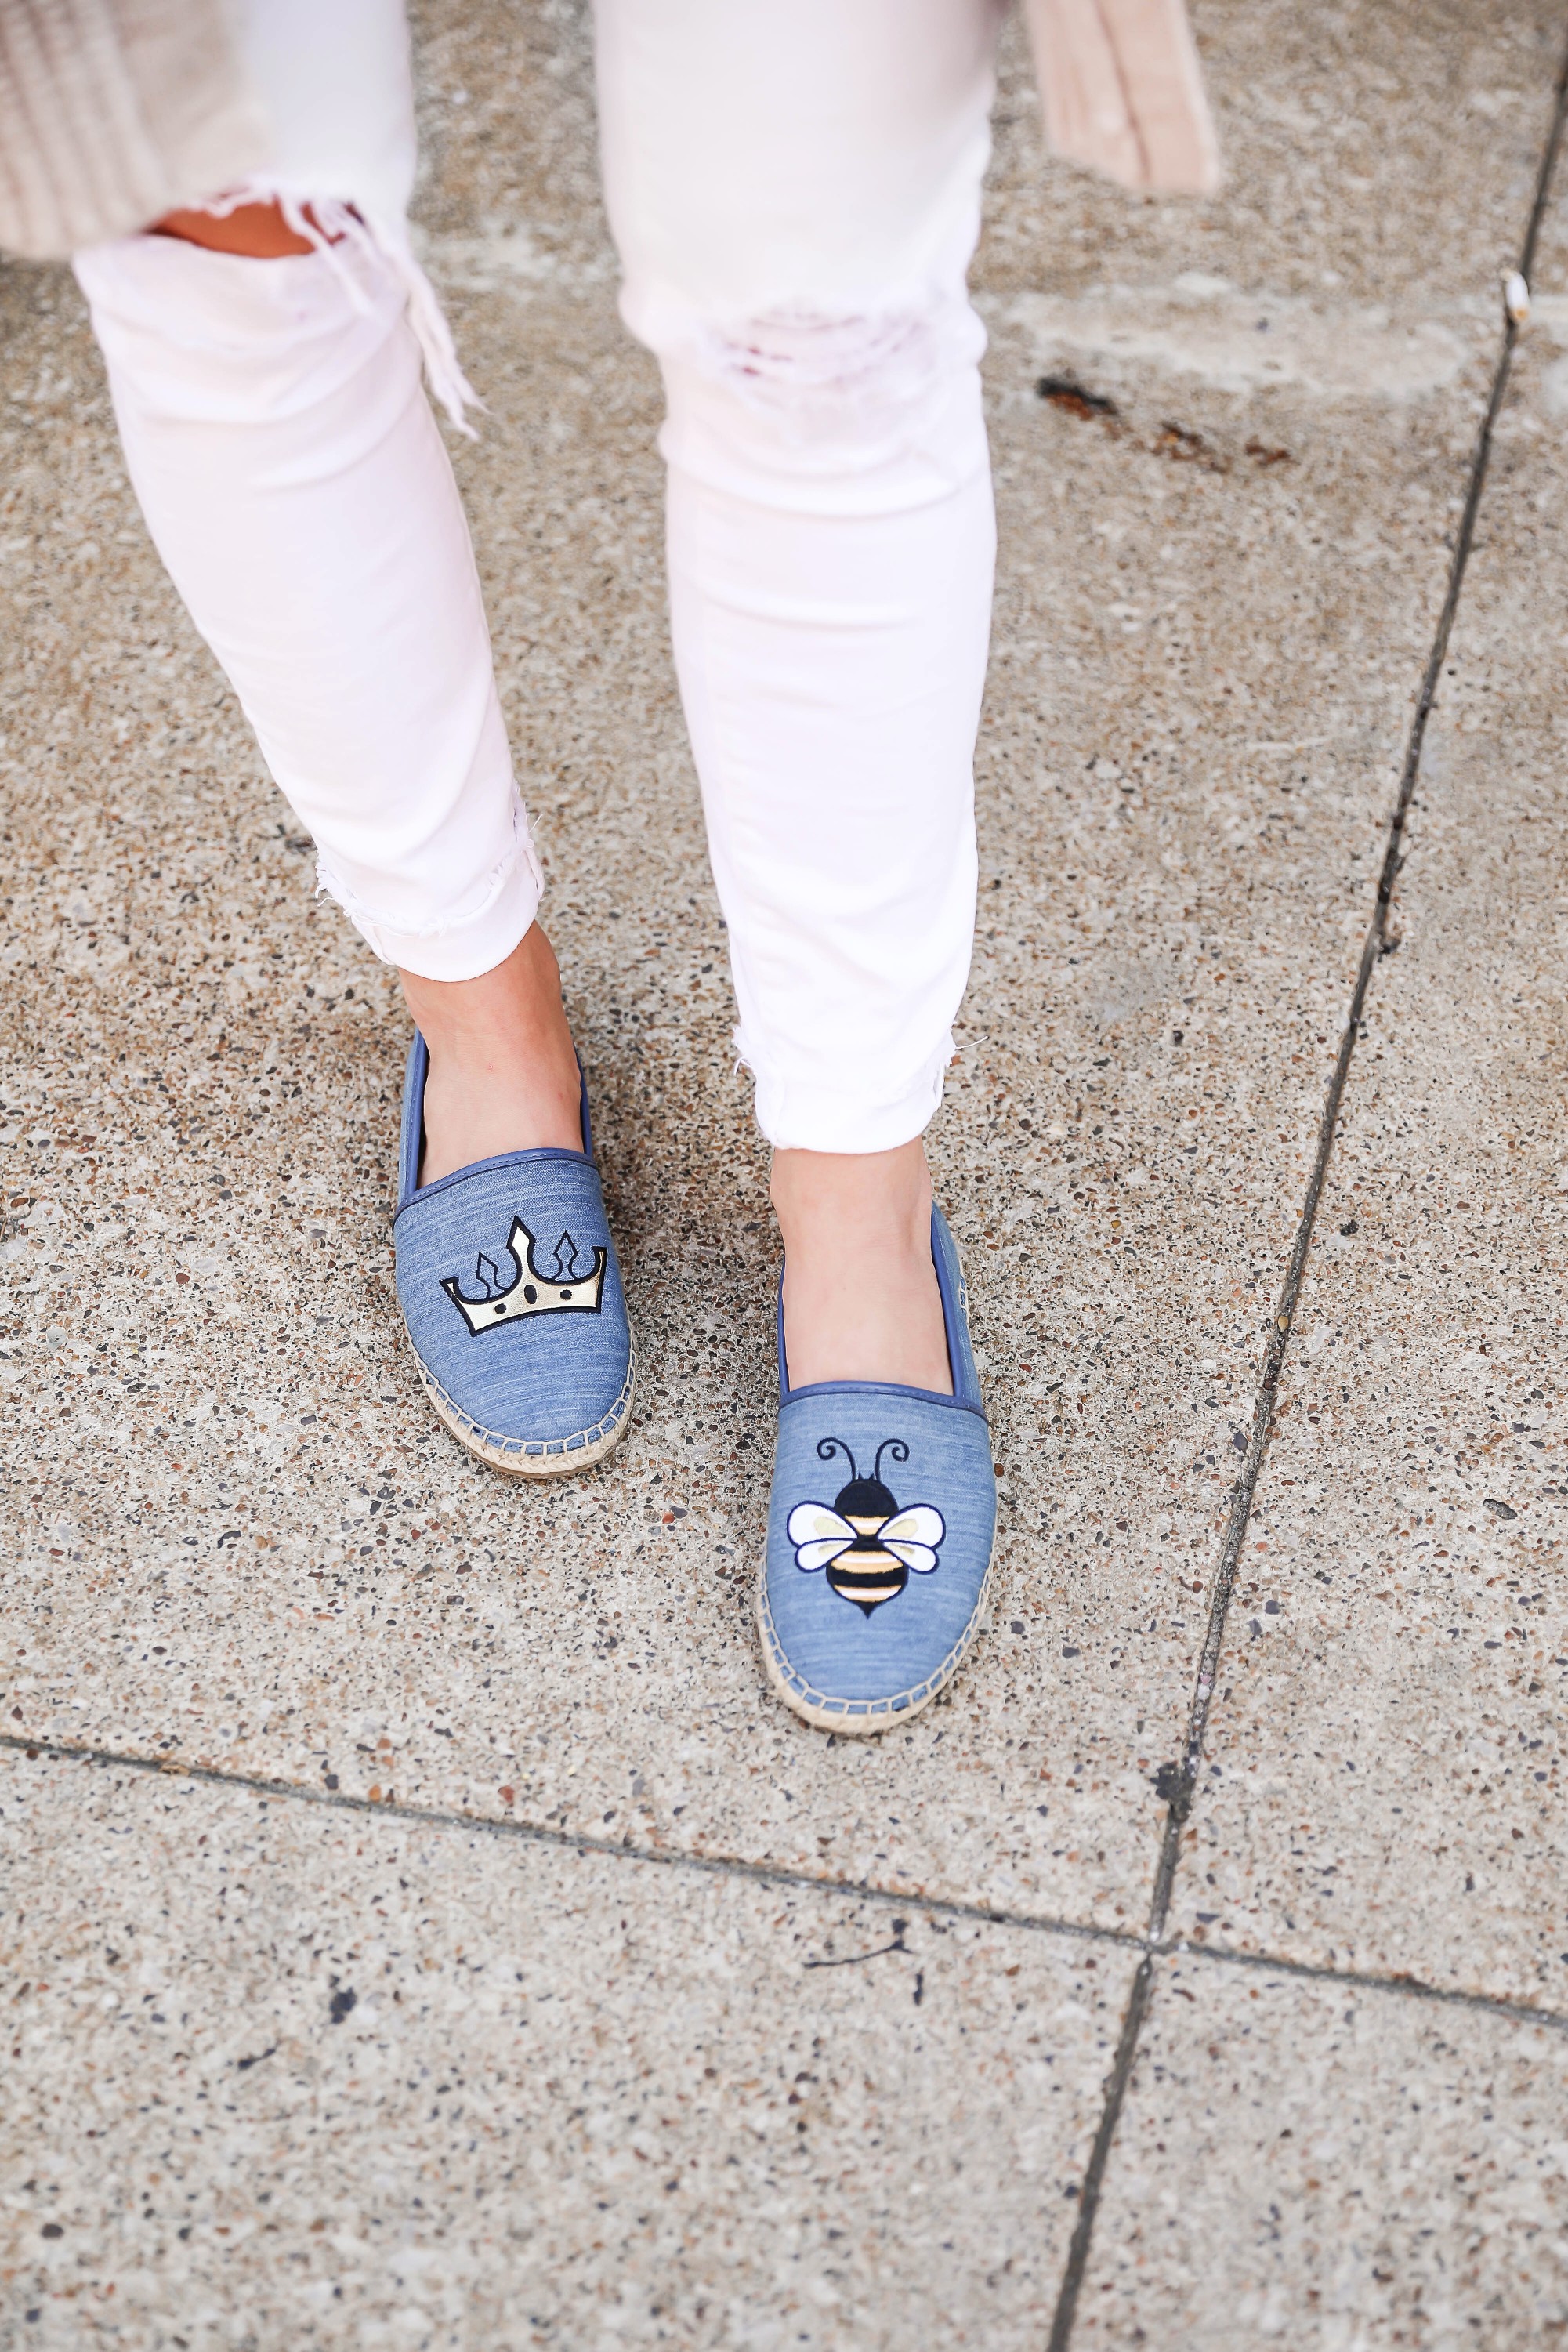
(884, 1510)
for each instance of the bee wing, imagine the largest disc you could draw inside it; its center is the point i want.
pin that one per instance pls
(920, 1525)
(913, 1537)
(919, 1557)
(819, 1535)
(813, 1556)
(814, 1523)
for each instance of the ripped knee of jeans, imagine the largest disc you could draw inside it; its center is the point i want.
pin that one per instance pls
(826, 376)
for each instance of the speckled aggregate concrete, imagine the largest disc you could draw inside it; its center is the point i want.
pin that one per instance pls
(234, 1536)
(360, 2082)
(1385, 1767)
(1310, 2164)
(1182, 784)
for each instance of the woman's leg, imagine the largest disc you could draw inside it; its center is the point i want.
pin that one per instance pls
(795, 189)
(295, 484)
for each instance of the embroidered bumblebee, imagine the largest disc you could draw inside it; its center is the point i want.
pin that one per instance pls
(867, 1545)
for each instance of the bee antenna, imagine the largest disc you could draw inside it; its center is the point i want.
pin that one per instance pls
(828, 1446)
(894, 1446)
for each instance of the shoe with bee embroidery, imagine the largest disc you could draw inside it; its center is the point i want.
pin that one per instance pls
(507, 1279)
(880, 1535)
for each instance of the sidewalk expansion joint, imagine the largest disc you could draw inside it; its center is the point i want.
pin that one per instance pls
(1375, 946)
(564, 1841)
(1100, 2156)
(1409, 1987)
(891, 1898)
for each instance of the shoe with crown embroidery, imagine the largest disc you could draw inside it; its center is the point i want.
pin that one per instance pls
(880, 1534)
(508, 1282)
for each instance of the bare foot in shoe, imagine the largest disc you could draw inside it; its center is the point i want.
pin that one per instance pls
(861, 1300)
(503, 1075)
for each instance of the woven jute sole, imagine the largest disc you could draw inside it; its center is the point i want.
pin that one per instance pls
(560, 1461)
(871, 1716)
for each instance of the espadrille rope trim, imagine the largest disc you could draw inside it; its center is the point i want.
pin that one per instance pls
(869, 1710)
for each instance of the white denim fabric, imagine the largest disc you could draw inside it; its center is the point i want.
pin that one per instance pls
(794, 189)
(297, 487)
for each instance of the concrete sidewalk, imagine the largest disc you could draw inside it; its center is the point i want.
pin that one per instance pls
(421, 1929)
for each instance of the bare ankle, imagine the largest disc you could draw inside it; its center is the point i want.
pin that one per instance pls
(860, 1296)
(502, 1074)
(874, 1193)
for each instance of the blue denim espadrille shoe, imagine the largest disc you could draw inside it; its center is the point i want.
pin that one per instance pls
(509, 1283)
(879, 1539)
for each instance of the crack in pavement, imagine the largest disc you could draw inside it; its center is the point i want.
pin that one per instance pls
(572, 1841)
(900, 1898)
